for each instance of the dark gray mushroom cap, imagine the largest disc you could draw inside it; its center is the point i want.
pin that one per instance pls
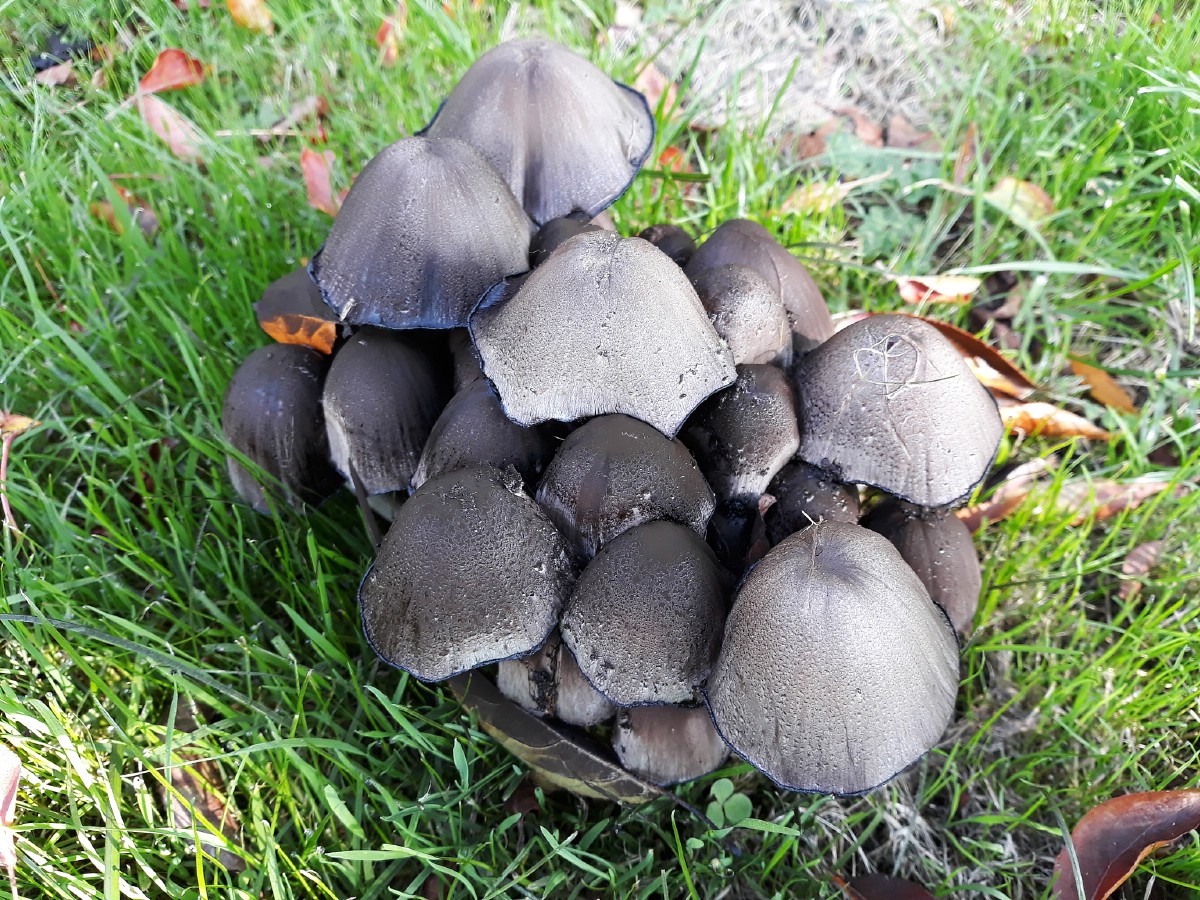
(473, 429)
(292, 311)
(837, 671)
(671, 240)
(470, 572)
(666, 745)
(381, 400)
(644, 621)
(464, 359)
(747, 243)
(940, 550)
(613, 473)
(607, 324)
(272, 414)
(554, 234)
(744, 435)
(563, 134)
(889, 402)
(746, 311)
(428, 226)
(803, 496)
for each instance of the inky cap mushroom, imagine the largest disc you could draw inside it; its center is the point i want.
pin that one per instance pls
(613, 473)
(606, 324)
(273, 415)
(563, 134)
(889, 402)
(803, 497)
(746, 243)
(667, 745)
(940, 550)
(837, 671)
(291, 311)
(548, 683)
(671, 240)
(381, 400)
(644, 621)
(427, 227)
(746, 311)
(471, 572)
(554, 234)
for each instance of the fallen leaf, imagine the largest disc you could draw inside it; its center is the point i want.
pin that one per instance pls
(173, 69)
(1048, 420)
(1024, 202)
(672, 159)
(903, 135)
(251, 14)
(309, 107)
(936, 288)
(657, 88)
(995, 372)
(13, 425)
(316, 167)
(390, 33)
(1008, 495)
(10, 780)
(178, 132)
(139, 211)
(62, 75)
(881, 887)
(965, 161)
(524, 799)
(1104, 387)
(865, 129)
(1105, 499)
(307, 331)
(1138, 563)
(1112, 838)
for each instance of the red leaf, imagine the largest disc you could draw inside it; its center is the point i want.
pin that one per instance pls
(1139, 562)
(657, 88)
(1111, 839)
(172, 69)
(316, 168)
(388, 37)
(252, 14)
(10, 779)
(881, 887)
(177, 131)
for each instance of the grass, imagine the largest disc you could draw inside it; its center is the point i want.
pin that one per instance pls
(142, 586)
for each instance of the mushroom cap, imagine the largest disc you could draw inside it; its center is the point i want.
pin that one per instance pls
(889, 402)
(292, 311)
(744, 435)
(644, 620)
(562, 133)
(613, 473)
(427, 227)
(381, 400)
(746, 311)
(473, 429)
(554, 234)
(940, 550)
(837, 671)
(464, 359)
(667, 745)
(272, 414)
(471, 572)
(607, 324)
(803, 496)
(747, 243)
(671, 240)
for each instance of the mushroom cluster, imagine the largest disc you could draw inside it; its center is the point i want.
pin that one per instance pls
(625, 472)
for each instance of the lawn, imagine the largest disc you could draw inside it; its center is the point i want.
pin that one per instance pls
(143, 590)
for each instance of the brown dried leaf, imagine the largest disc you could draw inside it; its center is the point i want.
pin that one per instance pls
(251, 14)
(966, 156)
(178, 132)
(995, 372)
(1138, 563)
(173, 69)
(139, 211)
(1009, 495)
(13, 425)
(309, 107)
(1048, 420)
(813, 144)
(657, 88)
(390, 33)
(865, 129)
(62, 75)
(1024, 202)
(316, 167)
(881, 887)
(903, 135)
(1111, 839)
(1104, 387)
(1105, 499)
(937, 288)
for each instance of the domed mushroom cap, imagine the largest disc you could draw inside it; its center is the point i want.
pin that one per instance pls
(292, 311)
(381, 400)
(803, 497)
(613, 473)
(272, 414)
(940, 550)
(889, 402)
(554, 234)
(644, 621)
(470, 572)
(463, 358)
(837, 671)
(607, 324)
(473, 429)
(743, 436)
(671, 240)
(746, 311)
(563, 134)
(667, 745)
(427, 227)
(746, 243)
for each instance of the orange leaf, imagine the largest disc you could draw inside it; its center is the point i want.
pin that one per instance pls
(1010, 494)
(996, 372)
(966, 156)
(177, 131)
(937, 288)
(1105, 499)
(307, 331)
(1111, 839)
(62, 75)
(672, 159)
(13, 425)
(1048, 420)
(1104, 387)
(387, 38)
(172, 69)
(10, 780)
(316, 180)
(252, 14)
(141, 213)
(1025, 203)
(1139, 562)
